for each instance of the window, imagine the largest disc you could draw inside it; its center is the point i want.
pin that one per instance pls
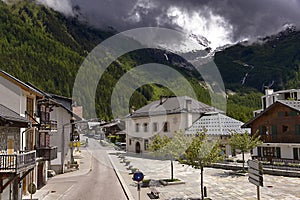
(262, 130)
(129, 141)
(137, 127)
(145, 127)
(29, 107)
(293, 113)
(146, 144)
(280, 114)
(155, 126)
(166, 127)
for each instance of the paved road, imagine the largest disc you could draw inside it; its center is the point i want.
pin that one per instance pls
(100, 184)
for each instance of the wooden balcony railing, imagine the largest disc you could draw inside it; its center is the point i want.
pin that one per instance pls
(16, 163)
(47, 153)
(50, 125)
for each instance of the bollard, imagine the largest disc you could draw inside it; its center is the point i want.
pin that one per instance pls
(205, 191)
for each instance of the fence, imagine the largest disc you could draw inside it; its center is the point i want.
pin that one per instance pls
(16, 162)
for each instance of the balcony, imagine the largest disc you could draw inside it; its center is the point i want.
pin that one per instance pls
(50, 125)
(47, 153)
(16, 163)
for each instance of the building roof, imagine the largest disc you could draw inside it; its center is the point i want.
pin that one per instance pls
(58, 100)
(21, 84)
(216, 124)
(173, 105)
(12, 118)
(295, 105)
(292, 104)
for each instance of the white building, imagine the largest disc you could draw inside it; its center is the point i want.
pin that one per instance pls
(271, 97)
(62, 113)
(163, 117)
(22, 99)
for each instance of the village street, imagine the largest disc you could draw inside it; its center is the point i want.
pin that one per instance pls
(102, 183)
(99, 183)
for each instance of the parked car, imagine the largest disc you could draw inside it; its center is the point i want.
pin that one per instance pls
(97, 137)
(120, 145)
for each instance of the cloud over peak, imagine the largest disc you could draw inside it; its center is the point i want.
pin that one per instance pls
(221, 22)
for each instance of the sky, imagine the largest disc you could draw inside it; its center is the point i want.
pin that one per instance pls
(221, 22)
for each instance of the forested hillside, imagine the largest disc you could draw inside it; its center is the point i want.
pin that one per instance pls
(273, 62)
(45, 48)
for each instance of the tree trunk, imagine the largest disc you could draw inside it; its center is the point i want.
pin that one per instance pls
(202, 192)
(243, 154)
(172, 173)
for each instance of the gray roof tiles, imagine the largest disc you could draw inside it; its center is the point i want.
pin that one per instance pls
(173, 105)
(11, 115)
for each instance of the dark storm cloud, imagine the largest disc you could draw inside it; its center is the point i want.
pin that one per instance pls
(243, 19)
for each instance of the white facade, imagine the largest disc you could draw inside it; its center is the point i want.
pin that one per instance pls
(61, 138)
(15, 95)
(163, 117)
(288, 151)
(271, 97)
(141, 130)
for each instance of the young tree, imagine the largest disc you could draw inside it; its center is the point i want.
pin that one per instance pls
(202, 152)
(244, 142)
(158, 142)
(171, 148)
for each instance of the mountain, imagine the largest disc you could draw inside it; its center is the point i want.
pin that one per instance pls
(271, 62)
(45, 48)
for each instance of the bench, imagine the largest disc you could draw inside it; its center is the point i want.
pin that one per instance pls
(133, 170)
(154, 192)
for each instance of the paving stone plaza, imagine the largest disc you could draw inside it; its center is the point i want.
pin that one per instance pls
(221, 184)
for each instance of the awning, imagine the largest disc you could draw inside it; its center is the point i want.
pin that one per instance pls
(10, 118)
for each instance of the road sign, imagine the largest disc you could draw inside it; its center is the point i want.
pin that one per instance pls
(31, 188)
(138, 176)
(255, 164)
(255, 171)
(257, 178)
(255, 182)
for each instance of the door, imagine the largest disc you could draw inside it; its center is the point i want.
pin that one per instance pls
(40, 176)
(137, 147)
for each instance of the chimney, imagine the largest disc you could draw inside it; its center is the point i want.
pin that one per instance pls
(268, 91)
(188, 105)
(131, 110)
(162, 99)
(189, 116)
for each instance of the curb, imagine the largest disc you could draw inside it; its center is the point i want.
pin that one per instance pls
(122, 182)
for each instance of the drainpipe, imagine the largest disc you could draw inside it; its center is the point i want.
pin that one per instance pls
(22, 143)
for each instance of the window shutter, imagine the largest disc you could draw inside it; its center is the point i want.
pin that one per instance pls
(274, 130)
(259, 151)
(278, 152)
(295, 152)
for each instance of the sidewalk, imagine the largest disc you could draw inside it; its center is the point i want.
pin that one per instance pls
(125, 178)
(83, 158)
